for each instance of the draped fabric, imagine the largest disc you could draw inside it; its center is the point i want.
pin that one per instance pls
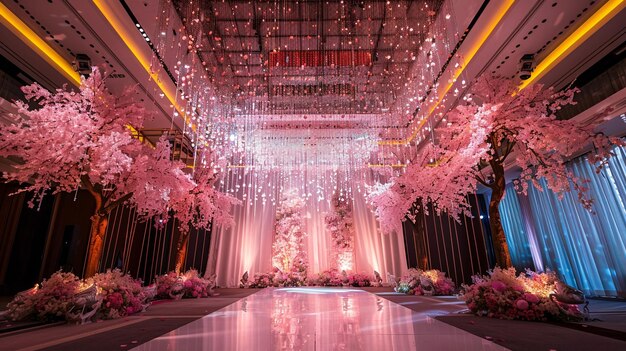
(247, 246)
(587, 249)
(384, 253)
(531, 232)
(516, 230)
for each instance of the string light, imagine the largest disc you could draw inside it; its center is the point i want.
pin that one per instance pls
(308, 101)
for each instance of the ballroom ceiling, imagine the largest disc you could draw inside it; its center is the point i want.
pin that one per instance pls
(242, 75)
(311, 57)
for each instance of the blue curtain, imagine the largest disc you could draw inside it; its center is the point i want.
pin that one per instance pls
(587, 249)
(515, 230)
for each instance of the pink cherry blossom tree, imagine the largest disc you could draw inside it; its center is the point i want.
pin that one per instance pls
(497, 123)
(81, 139)
(201, 206)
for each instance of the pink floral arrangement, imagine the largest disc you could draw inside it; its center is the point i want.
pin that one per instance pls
(108, 295)
(288, 252)
(262, 280)
(340, 224)
(195, 286)
(61, 296)
(429, 282)
(49, 300)
(187, 285)
(278, 278)
(505, 295)
(329, 277)
(121, 294)
(169, 286)
(360, 279)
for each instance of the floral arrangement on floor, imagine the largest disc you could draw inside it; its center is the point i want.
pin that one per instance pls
(49, 300)
(360, 279)
(334, 277)
(527, 296)
(278, 278)
(429, 282)
(169, 286)
(64, 296)
(187, 285)
(330, 277)
(108, 295)
(121, 294)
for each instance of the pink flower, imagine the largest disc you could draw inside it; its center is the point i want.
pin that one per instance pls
(115, 300)
(498, 286)
(521, 304)
(532, 298)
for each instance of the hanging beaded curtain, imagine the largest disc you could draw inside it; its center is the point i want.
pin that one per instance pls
(145, 250)
(438, 241)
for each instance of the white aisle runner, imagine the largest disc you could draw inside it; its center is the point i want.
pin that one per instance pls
(313, 318)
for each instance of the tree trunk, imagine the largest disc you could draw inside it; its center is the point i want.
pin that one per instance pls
(419, 233)
(96, 242)
(99, 222)
(181, 251)
(500, 246)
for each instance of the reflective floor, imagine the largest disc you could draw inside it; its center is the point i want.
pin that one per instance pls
(317, 319)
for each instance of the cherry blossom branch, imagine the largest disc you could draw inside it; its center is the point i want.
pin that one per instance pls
(117, 202)
(483, 182)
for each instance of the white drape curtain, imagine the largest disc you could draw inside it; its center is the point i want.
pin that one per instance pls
(247, 246)
(374, 251)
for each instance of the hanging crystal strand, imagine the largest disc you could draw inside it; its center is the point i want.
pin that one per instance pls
(157, 66)
(43, 192)
(76, 191)
(112, 231)
(131, 237)
(197, 77)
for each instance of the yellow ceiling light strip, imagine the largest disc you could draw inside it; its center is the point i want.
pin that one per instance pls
(126, 36)
(35, 42)
(580, 35)
(482, 37)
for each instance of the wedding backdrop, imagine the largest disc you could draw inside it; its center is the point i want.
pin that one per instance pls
(250, 242)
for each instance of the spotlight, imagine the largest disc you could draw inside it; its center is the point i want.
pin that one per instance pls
(82, 64)
(526, 66)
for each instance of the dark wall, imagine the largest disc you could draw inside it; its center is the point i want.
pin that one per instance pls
(199, 242)
(23, 236)
(145, 249)
(439, 242)
(10, 209)
(36, 243)
(70, 233)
